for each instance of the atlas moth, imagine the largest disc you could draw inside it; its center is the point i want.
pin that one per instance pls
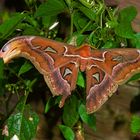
(59, 63)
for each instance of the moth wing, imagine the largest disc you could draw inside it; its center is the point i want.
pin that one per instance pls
(106, 70)
(50, 59)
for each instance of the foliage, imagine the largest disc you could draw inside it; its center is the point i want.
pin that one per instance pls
(22, 120)
(67, 132)
(75, 22)
(90, 120)
(135, 124)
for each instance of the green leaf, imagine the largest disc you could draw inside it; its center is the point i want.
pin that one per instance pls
(80, 80)
(22, 123)
(93, 39)
(135, 124)
(124, 28)
(79, 21)
(67, 132)
(129, 13)
(111, 24)
(32, 21)
(70, 112)
(25, 68)
(30, 31)
(51, 8)
(135, 77)
(109, 44)
(87, 4)
(51, 102)
(89, 119)
(77, 39)
(90, 13)
(136, 41)
(48, 21)
(9, 26)
(80, 39)
(29, 84)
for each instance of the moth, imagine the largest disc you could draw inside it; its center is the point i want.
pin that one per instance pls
(60, 63)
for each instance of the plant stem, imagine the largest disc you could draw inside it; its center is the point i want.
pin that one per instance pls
(85, 27)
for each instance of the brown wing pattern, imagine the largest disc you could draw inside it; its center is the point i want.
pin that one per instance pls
(59, 71)
(111, 68)
(59, 63)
